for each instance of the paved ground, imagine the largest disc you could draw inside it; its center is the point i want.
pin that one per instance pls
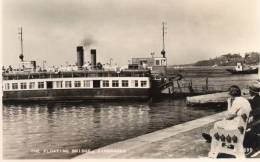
(180, 141)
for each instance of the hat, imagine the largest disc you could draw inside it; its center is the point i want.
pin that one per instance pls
(255, 87)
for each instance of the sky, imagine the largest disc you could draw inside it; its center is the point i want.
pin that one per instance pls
(122, 29)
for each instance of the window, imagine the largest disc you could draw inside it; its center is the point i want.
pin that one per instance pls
(124, 83)
(115, 83)
(67, 84)
(58, 84)
(136, 83)
(86, 83)
(14, 85)
(157, 62)
(7, 86)
(49, 84)
(143, 83)
(77, 84)
(31, 85)
(23, 85)
(40, 84)
(96, 83)
(105, 83)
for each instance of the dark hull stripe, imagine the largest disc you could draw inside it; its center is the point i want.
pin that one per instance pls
(77, 94)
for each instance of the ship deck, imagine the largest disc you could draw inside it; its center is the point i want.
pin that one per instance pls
(16, 75)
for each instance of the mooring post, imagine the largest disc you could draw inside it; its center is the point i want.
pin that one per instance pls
(179, 86)
(172, 87)
(190, 86)
(207, 84)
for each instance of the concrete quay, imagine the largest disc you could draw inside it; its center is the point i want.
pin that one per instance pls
(179, 141)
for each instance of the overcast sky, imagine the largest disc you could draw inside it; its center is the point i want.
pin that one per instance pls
(121, 29)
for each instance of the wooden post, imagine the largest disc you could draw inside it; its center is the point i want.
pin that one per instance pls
(179, 86)
(172, 87)
(207, 84)
(190, 86)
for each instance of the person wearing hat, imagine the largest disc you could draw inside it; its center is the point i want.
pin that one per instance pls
(254, 91)
(252, 137)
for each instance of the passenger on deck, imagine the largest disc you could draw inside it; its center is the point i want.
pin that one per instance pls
(238, 106)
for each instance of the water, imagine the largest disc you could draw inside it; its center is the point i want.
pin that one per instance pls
(218, 78)
(30, 127)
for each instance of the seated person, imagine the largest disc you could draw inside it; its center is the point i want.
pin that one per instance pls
(252, 137)
(238, 106)
(255, 101)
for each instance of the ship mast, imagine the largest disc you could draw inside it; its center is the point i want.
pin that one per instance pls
(163, 41)
(21, 39)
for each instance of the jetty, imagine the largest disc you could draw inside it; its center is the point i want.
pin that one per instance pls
(213, 99)
(179, 141)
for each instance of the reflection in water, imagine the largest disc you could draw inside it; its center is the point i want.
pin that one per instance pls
(86, 125)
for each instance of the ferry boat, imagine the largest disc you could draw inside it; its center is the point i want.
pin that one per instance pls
(29, 83)
(243, 69)
(143, 78)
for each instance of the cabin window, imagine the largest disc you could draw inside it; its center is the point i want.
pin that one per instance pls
(143, 83)
(96, 83)
(40, 85)
(115, 83)
(23, 85)
(31, 85)
(136, 83)
(157, 62)
(77, 84)
(58, 84)
(14, 85)
(7, 86)
(49, 84)
(105, 83)
(86, 83)
(124, 83)
(67, 84)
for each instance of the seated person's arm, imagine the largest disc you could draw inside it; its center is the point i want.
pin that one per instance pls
(230, 116)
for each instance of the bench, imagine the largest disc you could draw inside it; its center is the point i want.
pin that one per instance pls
(229, 141)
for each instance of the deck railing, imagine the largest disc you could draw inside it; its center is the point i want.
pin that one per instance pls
(72, 74)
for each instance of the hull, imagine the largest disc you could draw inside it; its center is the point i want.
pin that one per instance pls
(77, 94)
(251, 71)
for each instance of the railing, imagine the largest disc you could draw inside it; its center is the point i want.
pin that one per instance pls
(72, 74)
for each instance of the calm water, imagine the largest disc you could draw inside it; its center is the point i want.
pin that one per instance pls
(30, 127)
(218, 78)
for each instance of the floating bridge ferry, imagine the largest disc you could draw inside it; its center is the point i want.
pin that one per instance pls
(94, 83)
(142, 78)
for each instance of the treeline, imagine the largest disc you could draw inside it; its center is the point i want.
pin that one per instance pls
(251, 58)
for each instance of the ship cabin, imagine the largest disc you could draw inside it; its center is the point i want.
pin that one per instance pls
(239, 67)
(156, 64)
(76, 79)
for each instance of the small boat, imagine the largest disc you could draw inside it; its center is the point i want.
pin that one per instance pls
(243, 69)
